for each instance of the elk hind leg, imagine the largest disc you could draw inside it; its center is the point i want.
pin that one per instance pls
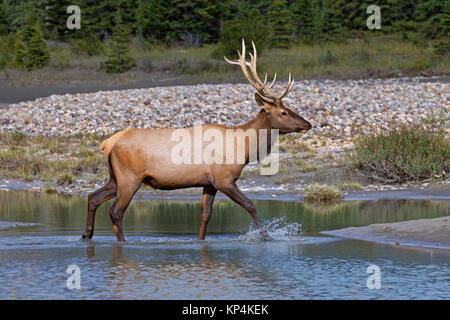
(125, 193)
(95, 199)
(207, 200)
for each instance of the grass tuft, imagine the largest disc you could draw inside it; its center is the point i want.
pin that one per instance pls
(322, 193)
(65, 178)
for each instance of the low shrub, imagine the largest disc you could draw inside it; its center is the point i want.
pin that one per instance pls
(322, 193)
(404, 153)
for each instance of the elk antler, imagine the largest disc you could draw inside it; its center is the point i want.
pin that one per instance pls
(255, 81)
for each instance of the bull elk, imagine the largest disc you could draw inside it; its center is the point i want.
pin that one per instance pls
(137, 156)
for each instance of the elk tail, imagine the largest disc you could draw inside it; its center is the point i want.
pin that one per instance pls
(106, 146)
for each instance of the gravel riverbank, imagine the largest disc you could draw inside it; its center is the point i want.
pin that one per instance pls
(337, 109)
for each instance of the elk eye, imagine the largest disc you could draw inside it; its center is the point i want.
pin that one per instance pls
(284, 113)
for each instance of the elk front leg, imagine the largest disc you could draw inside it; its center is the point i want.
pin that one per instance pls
(95, 199)
(207, 200)
(232, 191)
(124, 195)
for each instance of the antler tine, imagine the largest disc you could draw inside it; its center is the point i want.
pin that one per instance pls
(254, 79)
(264, 90)
(243, 64)
(273, 82)
(231, 62)
(289, 87)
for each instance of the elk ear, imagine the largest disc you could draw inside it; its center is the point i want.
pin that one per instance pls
(261, 102)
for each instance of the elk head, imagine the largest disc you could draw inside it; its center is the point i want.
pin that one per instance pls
(277, 115)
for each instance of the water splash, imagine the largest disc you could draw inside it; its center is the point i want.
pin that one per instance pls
(278, 229)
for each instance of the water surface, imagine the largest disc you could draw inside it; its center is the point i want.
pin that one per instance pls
(40, 238)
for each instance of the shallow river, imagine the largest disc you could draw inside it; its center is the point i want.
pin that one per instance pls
(161, 259)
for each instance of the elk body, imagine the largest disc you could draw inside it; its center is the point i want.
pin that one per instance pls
(144, 156)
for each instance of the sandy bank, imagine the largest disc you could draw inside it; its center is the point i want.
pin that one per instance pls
(432, 233)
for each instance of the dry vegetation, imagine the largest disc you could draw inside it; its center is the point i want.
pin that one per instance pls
(378, 56)
(322, 193)
(58, 160)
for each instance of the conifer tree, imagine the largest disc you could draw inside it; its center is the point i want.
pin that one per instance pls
(56, 18)
(19, 53)
(37, 54)
(119, 59)
(29, 28)
(250, 26)
(4, 28)
(280, 23)
(152, 20)
(303, 19)
(442, 46)
(325, 25)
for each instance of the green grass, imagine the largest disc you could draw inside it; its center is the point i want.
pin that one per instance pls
(405, 153)
(373, 56)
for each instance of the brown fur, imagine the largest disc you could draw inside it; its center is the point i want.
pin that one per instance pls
(137, 156)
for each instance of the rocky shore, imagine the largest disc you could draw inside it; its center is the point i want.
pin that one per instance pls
(338, 110)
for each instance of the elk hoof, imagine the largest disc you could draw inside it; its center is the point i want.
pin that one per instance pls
(265, 236)
(85, 236)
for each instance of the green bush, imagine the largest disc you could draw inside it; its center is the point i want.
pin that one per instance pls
(420, 63)
(405, 153)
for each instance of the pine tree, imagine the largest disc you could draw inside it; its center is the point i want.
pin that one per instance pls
(97, 18)
(29, 28)
(250, 26)
(442, 46)
(4, 24)
(280, 23)
(22, 14)
(119, 59)
(325, 25)
(56, 18)
(152, 20)
(193, 20)
(303, 19)
(19, 53)
(37, 54)
(349, 14)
